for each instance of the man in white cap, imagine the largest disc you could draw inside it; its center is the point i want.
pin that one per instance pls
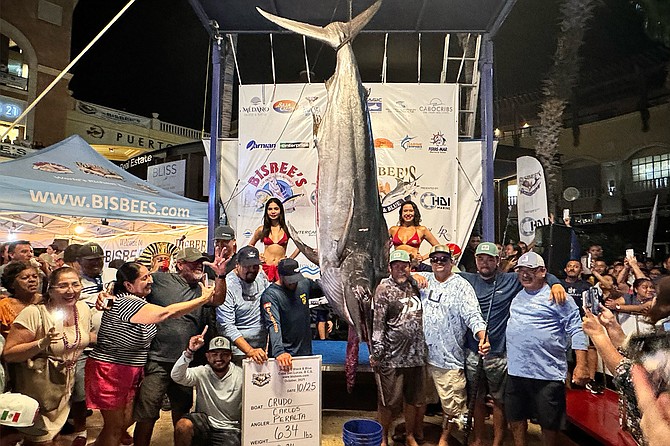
(537, 339)
(218, 403)
(398, 355)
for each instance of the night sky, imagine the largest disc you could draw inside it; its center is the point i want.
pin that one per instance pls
(155, 58)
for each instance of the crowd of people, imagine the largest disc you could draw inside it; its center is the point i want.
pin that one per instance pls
(503, 338)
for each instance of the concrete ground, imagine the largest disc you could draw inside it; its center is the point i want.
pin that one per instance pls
(332, 421)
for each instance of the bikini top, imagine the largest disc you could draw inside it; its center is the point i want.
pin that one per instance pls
(267, 241)
(414, 241)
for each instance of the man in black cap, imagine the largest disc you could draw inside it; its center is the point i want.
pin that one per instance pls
(224, 241)
(285, 309)
(172, 334)
(239, 317)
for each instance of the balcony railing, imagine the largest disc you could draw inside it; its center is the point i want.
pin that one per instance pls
(649, 185)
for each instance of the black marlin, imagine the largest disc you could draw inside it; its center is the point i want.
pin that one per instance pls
(353, 238)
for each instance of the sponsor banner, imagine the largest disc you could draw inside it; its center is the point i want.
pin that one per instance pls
(532, 197)
(415, 131)
(97, 135)
(14, 151)
(168, 176)
(112, 115)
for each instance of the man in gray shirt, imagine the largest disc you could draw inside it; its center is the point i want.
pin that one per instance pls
(218, 403)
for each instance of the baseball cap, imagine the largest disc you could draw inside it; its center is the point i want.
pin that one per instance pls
(90, 251)
(487, 248)
(440, 249)
(219, 343)
(71, 253)
(248, 256)
(224, 232)
(287, 269)
(530, 260)
(21, 410)
(399, 255)
(189, 255)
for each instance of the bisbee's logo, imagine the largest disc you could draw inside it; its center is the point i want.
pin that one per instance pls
(284, 106)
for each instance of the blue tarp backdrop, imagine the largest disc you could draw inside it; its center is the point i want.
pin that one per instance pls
(71, 178)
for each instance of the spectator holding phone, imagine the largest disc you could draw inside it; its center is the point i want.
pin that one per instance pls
(608, 337)
(116, 365)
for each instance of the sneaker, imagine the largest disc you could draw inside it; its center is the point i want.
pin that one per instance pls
(595, 387)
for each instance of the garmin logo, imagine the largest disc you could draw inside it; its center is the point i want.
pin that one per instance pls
(251, 145)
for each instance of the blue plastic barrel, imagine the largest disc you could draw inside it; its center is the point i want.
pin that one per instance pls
(362, 433)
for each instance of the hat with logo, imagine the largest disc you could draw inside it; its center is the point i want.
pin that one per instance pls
(219, 343)
(288, 271)
(487, 248)
(189, 254)
(17, 410)
(530, 260)
(90, 251)
(248, 256)
(440, 249)
(399, 255)
(224, 232)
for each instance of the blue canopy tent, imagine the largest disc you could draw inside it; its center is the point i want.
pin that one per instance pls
(71, 179)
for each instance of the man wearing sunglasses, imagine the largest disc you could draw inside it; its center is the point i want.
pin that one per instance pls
(450, 308)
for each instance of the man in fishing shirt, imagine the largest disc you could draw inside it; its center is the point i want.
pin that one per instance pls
(450, 307)
(537, 338)
(495, 291)
(285, 310)
(398, 349)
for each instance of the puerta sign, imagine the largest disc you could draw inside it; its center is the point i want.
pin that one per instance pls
(282, 408)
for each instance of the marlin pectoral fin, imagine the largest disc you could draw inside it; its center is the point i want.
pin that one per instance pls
(309, 252)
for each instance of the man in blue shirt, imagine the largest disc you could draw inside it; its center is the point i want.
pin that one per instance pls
(495, 291)
(537, 338)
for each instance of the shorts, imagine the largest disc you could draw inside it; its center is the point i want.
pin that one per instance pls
(111, 386)
(320, 315)
(271, 271)
(79, 387)
(398, 385)
(450, 386)
(204, 433)
(527, 398)
(156, 383)
(495, 371)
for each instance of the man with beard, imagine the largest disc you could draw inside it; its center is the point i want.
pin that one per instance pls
(537, 335)
(398, 355)
(218, 401)
(489, 281)
(239, 317)
(286, 313)
(173, 334)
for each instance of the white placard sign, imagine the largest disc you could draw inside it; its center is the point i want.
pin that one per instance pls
(170, 176)
(282, 408)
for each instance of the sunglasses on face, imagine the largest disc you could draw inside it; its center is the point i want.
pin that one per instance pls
(440, 259)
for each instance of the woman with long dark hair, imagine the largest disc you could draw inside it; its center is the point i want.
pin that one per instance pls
(115, 367)
(275, 236)
(408, 234)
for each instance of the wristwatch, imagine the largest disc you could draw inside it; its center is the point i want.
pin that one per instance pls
(221, 276)
(617, 306)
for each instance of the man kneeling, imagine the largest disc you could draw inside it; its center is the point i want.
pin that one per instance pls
(218, 403)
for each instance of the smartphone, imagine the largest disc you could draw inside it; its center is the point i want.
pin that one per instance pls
(591, 300)
(630, 253)
(205, 280)
(566, 214)
(589, 260)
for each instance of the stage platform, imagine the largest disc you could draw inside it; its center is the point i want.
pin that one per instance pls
(333, 354)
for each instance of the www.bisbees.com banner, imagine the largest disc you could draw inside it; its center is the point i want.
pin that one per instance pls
(415, 130)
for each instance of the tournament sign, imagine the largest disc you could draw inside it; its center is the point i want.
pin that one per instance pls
(282, 408)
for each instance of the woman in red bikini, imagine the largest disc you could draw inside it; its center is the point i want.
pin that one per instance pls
(409, 233)
(274, 235)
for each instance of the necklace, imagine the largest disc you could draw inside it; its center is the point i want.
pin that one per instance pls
(77, 336)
